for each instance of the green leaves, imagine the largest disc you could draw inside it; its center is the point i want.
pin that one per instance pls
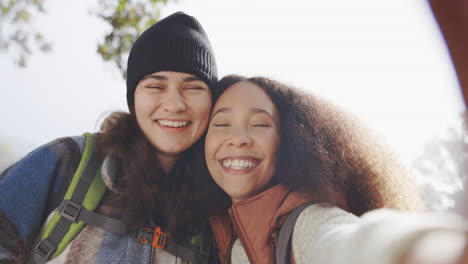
(126, 18)
(17, 34)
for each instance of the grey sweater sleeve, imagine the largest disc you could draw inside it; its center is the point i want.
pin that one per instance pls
(329, 235)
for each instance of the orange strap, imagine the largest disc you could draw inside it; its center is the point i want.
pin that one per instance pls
(159, 238)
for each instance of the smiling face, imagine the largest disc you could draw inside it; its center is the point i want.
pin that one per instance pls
(172, 110)
(242, 141)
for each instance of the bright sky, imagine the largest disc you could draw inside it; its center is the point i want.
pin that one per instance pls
(383, 60)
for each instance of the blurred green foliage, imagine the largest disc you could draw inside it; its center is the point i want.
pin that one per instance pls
(127, 20)
(15, 15)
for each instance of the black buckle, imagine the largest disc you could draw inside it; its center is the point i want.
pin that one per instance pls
(44, 249)
(70, 210)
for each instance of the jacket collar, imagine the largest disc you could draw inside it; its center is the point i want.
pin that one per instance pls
(255, 221)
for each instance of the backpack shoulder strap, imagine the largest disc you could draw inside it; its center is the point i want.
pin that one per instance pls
(84, 194)
(283, 249)
(200, 250)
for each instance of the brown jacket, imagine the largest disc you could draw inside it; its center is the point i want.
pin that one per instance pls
(256, 222)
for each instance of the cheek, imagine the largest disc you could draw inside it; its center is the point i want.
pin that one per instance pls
(271, 143)
(204, 117)
(139, 109)
(143, 104)
(202, 108)
(275, 149)
(212, 144)
(209, 147)
(271, 148)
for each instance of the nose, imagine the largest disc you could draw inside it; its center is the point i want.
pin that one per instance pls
(174, 102)
(240, 138)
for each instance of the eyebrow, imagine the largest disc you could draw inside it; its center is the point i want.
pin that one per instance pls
(164, 78)
(253, 110)
(191, 79)
(155, 76)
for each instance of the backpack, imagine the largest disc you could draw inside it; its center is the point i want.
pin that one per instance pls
(77, 209)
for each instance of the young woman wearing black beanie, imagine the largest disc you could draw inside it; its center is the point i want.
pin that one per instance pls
(145, 203)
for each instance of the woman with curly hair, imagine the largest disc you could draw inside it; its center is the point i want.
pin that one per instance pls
(333, 154)
(272, 148)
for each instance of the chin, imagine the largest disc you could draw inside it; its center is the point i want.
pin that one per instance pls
(238, 196)
(171, 149)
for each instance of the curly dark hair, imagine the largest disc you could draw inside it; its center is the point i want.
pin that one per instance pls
(328, 153)
(172, 200)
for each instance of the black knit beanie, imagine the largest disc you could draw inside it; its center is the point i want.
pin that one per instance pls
(175, 43)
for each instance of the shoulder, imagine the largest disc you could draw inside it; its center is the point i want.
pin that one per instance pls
(316, 215)
(65, 145)
(51, 153)
(60, 147)
(316, 223)
(33, 187)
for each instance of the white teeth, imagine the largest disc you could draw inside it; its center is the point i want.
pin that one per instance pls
(173, 123)
(239, 164)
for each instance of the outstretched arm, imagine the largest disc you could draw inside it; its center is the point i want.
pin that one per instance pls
(331, 235)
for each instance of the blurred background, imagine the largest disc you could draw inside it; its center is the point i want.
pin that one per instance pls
(62, 68)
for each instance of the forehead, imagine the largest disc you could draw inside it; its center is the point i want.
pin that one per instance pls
(166, 75)
(247, 95)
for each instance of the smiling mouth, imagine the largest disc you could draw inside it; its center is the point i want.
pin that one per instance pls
(170, 123)
(239, 163)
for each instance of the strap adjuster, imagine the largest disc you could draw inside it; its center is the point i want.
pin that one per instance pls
(44, 249)
(159, 238)
(70, 210)
(156, 238)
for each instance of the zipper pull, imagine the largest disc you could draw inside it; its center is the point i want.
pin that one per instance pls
(274, 238)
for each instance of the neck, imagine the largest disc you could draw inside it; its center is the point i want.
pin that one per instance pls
(167, 161)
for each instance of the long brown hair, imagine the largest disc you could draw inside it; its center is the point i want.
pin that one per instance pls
(173, 200)
(325, 151)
